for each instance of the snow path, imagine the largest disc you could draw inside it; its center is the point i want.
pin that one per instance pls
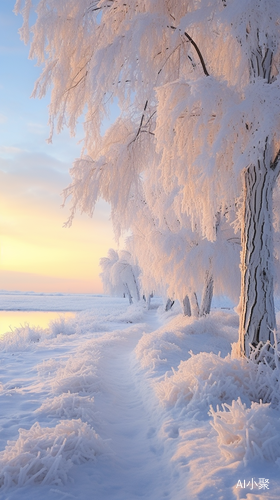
(126, 415)
(90, 369)
(137, 468)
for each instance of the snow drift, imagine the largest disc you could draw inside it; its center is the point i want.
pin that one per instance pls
(45, 455)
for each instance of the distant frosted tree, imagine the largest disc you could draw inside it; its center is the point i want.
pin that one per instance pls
(198, 87)
(119, 275)
(106, 264)
(128, 272)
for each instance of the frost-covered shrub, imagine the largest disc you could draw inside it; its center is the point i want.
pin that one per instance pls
(68, 406)
(24, 337)
(20, 339)
(48, 367)
(62, 326)
(207, 379)
(78, 375)
(45, 455)
(202, 380)
(247, 433)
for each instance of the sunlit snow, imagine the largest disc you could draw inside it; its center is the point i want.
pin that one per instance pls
(120, 403)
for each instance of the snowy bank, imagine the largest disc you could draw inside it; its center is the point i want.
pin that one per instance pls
(124, 402)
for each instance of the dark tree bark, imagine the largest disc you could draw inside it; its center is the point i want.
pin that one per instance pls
(169, 304)
(257, 318)
(207, 294)
(128, 293)
(187, 306)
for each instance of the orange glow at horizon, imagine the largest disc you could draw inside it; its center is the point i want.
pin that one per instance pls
(38, 254)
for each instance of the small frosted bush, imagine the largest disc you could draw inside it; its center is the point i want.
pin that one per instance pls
(207, 379)
(247, 433)
(69, 406)
(45, 455)
(78, 375)
(62, 326)
(20, 339)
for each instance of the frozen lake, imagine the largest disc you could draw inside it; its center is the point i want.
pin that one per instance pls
(38, 309)
(15, 319)
(31, 301)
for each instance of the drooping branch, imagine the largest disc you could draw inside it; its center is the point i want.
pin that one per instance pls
(77, 83)
(142, 119)
(198, 53)
(141, 124)
(146, 103)
(196, 49)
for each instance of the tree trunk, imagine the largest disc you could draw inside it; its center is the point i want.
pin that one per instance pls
(187, 306)
(169, 304)
(207, 294)
(136, 287)
(194, 305)
(128, 293)
(257, 318)
(148, 300)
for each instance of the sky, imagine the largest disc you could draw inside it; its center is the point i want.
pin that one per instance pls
(36, 252)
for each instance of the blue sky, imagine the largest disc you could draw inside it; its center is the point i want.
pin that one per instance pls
(36, 252)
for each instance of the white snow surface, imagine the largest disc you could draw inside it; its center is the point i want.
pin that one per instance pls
(123, 403)
(34, 301)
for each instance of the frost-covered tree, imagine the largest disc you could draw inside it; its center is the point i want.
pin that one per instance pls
(106, 264)
(198, 88)
(119, 275)
(176, 260)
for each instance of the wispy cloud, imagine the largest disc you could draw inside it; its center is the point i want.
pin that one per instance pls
(29, 175)
(9, 151)
(38, 128)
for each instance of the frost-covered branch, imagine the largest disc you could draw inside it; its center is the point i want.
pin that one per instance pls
(196, 49)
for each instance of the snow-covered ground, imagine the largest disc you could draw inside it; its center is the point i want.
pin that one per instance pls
(19, 308)
(32, 301)
(122, 403)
